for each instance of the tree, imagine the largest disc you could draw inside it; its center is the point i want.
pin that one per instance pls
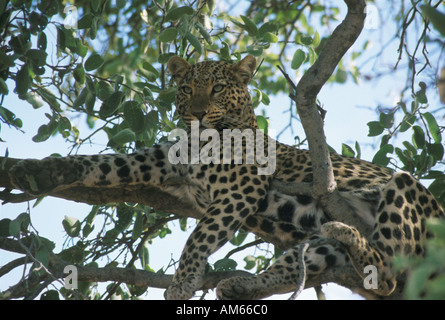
(107, 68)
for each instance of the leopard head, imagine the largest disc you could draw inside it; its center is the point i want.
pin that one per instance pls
(214, 92)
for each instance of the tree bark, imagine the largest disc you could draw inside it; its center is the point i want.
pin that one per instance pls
(324, 188)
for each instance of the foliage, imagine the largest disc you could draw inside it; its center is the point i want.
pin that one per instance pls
(110, 71)
(427, 275)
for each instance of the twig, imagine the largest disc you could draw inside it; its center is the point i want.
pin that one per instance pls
(302, 249)
(302, 270)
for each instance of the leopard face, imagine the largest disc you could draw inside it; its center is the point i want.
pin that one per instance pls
(214, 93)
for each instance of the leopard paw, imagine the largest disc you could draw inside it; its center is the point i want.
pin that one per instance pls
(236, 288)
(38, 177)
(184, 289)
(347, 235)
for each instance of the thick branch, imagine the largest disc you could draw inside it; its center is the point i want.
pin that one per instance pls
(143, 194)
(324, 186)
(345, 276)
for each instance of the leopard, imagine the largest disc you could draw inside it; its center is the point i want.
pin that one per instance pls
(230, 195)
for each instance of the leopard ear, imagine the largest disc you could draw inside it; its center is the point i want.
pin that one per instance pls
(178, 68)
(245, 68)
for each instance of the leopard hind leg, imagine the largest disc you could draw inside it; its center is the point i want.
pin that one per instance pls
(284, 275)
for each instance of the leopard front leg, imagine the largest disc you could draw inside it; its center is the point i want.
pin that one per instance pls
(211, 233)
(39, 177)
(223, 218)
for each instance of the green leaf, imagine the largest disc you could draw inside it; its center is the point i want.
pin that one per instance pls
(22, 80)
(163, 58)
(122, 137)
(407, 122)
(3, 87)
(255, 50)
(298, 59)
(19, 224)
(380, 157)
(347, 150)
(111, 104)
(194, 41)
(168, 35)
(85, 22)
(250, 262)
(71, 226)
(437, 188)
(37, 57)
(177, 13)
(341, 76)
(137, 228)
(421, 94)
(64, 124)
(81, 49)
(407, 161)
(80, 99)
(50, 295)
(43, 133)
(387, 119)
(4, 227)
(120, 4)
(250, 26)
(93, 62)
(224, 51)
(375, 128)
(79, 74)
(306, 40)
(410, 147)
(437, 18)
(239, 238)
(49, 98)
(204, 32)
(433, 127)
(104, 90)
(316, 40)
(183, 224)
(418, 137)
(43, 253)
(436, 150)
(268, 27)
(10, 117)
(95, 5)
(359, 151)
(133, 115)
(269, 37)
(225, 265)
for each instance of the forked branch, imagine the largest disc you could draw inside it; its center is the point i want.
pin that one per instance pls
(305, 96)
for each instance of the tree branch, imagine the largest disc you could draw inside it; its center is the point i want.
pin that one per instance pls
(305, 95)
(143, 194)
(345, 276)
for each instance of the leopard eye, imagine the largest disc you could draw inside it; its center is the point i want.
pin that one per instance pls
(186, 89)
(218, 88)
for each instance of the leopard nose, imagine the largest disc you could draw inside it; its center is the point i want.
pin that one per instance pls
(199, 114)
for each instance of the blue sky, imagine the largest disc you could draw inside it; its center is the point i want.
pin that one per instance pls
(349, 107)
